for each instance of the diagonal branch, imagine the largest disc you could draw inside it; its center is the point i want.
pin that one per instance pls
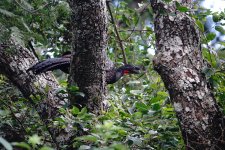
(14, 61)
(117, 33)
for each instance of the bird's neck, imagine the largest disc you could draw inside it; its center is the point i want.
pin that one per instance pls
(119, 73)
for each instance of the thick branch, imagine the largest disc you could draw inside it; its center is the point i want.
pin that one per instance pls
(14, 61)
(179, 62)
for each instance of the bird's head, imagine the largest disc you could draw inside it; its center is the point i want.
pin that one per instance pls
(129, 69)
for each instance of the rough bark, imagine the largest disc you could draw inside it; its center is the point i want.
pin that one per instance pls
(14, 61)
(12, 134)
(179, 62)
(89, 23)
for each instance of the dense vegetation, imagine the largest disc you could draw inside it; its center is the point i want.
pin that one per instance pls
(140, 114)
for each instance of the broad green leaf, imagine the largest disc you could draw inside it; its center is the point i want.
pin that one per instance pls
(118, 146)
(210, 36)
(34, 139)
(156, 106)
(163, 94)
(183, 9)
(142, 107)
(220, 29)
(22, 145)
(83, 110)
(216, 18)
(75, 110)
(46, 148)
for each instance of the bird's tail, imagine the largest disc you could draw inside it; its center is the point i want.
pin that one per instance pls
(51, 64)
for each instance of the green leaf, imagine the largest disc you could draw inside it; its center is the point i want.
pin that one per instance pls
(220, 29)
(163, 94)
(75, 110)
(34, 139)
(156, 106)
(83, 110)
(108, 124)
(210, 36)
(73, 88)
(142, 107)
(200, 25)
(181, 8)
(6, 144)
(167, 1)
(138, 115)
(117, 146)
(22, 145)
(46, 148)
(149, 31)
(87, 138)
(216, 18)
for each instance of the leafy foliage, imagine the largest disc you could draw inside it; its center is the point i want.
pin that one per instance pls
(140, 115)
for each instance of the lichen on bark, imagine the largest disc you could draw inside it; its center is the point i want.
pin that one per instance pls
(14, 61)
(89, 21)
(179, 62)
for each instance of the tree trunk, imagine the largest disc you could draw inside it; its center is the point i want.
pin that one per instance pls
(179, 62)
(89, 21)
(14, 61)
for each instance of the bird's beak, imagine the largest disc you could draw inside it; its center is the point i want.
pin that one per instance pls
(136, 71)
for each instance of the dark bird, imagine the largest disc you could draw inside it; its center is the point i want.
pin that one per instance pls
(63, 63)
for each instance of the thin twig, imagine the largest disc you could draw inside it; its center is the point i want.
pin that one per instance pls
(33, 50)
(117, 33)
(142, 10)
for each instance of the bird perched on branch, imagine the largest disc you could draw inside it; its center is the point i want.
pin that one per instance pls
(63, 63)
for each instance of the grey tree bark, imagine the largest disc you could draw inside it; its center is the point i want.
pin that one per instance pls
(89, 21)
(179, 62)
(14, 61)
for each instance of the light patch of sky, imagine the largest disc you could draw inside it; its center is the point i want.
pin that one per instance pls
(214, 5)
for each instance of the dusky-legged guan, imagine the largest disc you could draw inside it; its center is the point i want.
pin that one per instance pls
(63, 63)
